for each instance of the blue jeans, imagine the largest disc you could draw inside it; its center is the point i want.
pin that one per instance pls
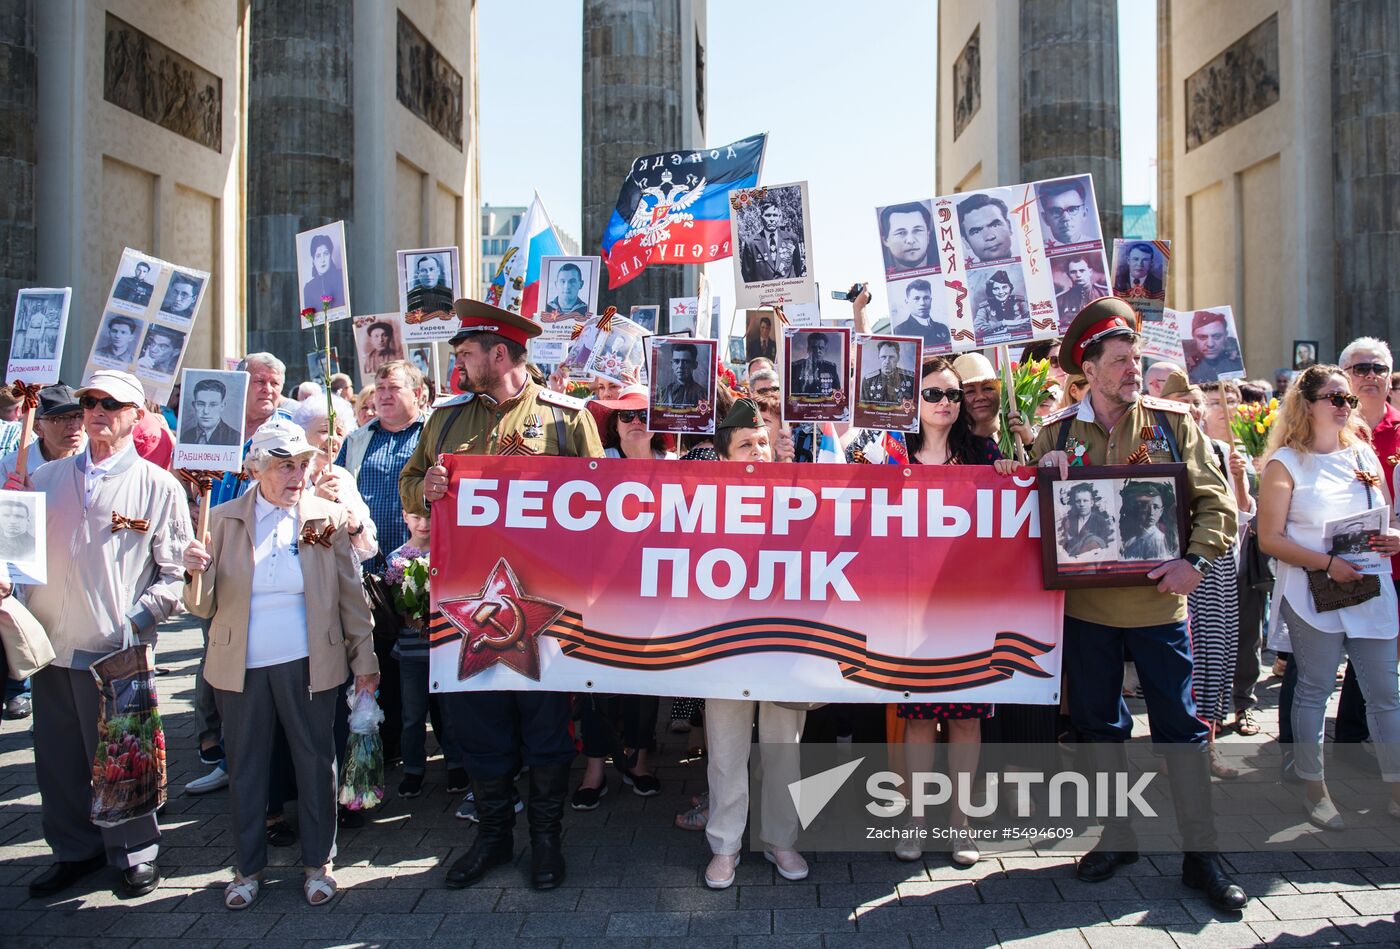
(413, 676)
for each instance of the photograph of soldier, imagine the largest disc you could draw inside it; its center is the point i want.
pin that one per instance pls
(645, 316)
(430, 285)
(1353, 537)
(117, 346)
(1304, 353)
(378, 343)
(1067, 212)
(771, 243)
(759, 341)
(888, 377)
(1212, 349)
(137, 286)
(1001, 304)
(17, 541)
(986, 228)
(1138, 270)
(1077, 282)
(160, 351)
(569, 287)
(1147, 521)
(917, 315)
(681, 388)
(38, 318)
(1083, 528)
(210, 415)
(821, 370)
(181, 295)
(906, 232)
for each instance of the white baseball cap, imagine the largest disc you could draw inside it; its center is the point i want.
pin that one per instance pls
(122, 386)
(282, 438)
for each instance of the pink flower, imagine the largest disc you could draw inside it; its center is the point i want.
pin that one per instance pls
(327, 299)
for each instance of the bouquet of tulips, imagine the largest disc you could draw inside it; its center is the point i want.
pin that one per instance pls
(362, 783)
(1251, 424)
(1030, 381)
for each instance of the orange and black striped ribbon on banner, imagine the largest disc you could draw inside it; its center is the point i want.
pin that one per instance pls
(1010, 653)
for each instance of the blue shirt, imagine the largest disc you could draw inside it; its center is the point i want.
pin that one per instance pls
(378, 481)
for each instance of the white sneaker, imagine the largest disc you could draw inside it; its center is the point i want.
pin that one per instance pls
(1324, 814)
(719, 875)
(790, 864)
(213, 781)
(908, 850)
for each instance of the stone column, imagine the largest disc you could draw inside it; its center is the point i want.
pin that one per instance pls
(1366, 178)
(301, 150)
(1069, 97)
(633, 105)
(1166, 217)
(19, 103)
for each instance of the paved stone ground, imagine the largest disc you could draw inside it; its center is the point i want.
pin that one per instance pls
(634, 880)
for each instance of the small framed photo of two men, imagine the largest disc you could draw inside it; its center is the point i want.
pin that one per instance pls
(682, 383)
(1111, 526)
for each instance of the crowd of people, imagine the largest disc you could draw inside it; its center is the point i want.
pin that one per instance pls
(291, 585)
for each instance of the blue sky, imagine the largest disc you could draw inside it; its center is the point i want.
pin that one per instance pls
(831, 69)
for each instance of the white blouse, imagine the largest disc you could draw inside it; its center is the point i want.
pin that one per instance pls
(277, 610)
(1325, 487)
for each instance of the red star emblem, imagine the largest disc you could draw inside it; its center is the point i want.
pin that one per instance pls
(500, 624)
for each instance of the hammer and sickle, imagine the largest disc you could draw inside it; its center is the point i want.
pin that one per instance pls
(485, 615)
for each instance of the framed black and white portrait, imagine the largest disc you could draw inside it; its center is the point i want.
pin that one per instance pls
(770, 231)
(117, 339)
(816, 369)
(322, 273)
(1069, 217)
(210, 434)
(135, 282)
(23, 536)
(568, 288)
(429, 282)
(182, 295)
(36, 340)
(887, 382)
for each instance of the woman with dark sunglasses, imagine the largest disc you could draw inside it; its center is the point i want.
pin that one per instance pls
(625, 435)
(945, 437)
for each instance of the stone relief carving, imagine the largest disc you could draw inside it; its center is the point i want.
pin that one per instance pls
(1242, 81)
(967, 82)
(428, 86)
(151, 80)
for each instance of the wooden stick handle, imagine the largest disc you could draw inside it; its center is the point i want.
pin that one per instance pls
(25, 434)
(202, 529)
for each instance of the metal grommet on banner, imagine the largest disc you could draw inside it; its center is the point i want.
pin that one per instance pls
(435, 685)
(908, 472)
(749, 469)
(746, 693)
(588, 684)
(432, 571)
(906, 695)
(593, 466)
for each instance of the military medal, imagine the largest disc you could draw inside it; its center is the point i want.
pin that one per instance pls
(1076, 452)
(532, 426)
(1154, 440)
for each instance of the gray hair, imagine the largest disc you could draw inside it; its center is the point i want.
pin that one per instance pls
(309, 390)
(313, 410)
(763, 374)
(1362, 344)
(266, 360)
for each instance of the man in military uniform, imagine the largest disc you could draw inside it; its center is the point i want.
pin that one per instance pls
(815, 376)
(1211, 351)
(775, 253)
(684, 391)
(1083, 289)
(888, 385)
(503, 412)
(1115, 424)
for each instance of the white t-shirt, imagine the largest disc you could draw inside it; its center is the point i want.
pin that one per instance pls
(277, 610)
(1325, 487)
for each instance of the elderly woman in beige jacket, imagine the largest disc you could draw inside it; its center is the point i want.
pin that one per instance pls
(280, 583)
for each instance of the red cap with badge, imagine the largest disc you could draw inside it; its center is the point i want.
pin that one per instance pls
(1099, 320)
(478, 317)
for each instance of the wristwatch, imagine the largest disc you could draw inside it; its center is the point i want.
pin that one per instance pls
(1199, 563)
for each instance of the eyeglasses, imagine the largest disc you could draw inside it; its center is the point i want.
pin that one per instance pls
(632, 415)
(1057, 213)
(1338, 399)
(109, 404)
(935, 395)
(1369, 369)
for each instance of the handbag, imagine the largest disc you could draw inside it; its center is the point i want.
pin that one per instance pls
(1257, 567)
(27, 646)
(128, 768)
(1328, 595)
(381, 608)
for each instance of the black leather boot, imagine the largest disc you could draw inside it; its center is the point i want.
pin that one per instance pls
(549, 786)
(495, 836)
(1188, 772)
(1117, 845)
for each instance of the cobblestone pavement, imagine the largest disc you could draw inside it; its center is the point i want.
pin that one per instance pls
(634, 880)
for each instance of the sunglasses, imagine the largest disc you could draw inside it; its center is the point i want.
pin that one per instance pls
(936, 395)
(109, 404)
(1339, 399)
(1369, 369)
(632, 415)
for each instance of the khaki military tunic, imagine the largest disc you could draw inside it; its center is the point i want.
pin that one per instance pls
(477, 425)
(1212, 514)
(892, 389)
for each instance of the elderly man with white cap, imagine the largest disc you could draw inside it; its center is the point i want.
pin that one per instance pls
(116, 527)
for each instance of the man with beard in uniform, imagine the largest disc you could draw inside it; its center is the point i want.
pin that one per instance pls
(503, 411)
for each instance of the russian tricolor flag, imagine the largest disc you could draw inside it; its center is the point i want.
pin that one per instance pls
(516, 284)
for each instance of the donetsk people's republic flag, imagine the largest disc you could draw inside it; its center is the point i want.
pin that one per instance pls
(674, 207)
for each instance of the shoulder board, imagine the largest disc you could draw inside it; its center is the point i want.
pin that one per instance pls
(462, 399)
(551, 397)
(1068, 411)
(1163, 405)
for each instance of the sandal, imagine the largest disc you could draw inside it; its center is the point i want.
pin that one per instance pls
(319, 888)
(242, 889)
(694, 819)
(1247, 723)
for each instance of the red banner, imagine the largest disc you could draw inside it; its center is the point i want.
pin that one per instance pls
(852, 583)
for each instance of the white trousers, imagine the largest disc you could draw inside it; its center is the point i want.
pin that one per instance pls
(729, 732)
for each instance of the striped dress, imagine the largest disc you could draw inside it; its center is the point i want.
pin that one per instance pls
(1213, 612)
